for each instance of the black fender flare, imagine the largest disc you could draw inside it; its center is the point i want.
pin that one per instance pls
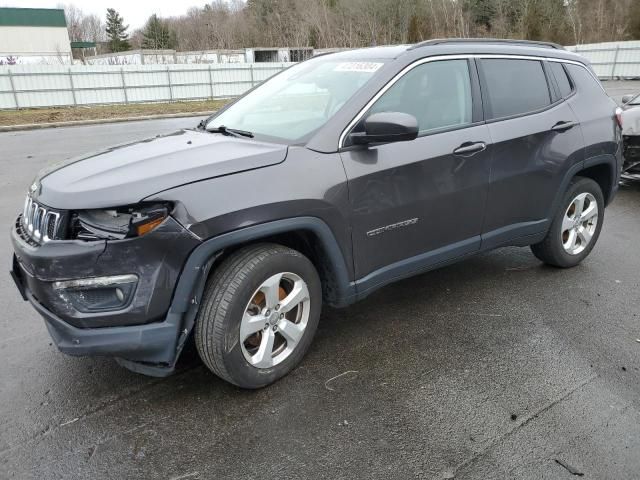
(190, 287)
(604, 159)
(200, 258)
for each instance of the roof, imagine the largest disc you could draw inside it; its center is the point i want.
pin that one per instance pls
(391, 51)
(32, 17)
(456, 46)
(494, 41)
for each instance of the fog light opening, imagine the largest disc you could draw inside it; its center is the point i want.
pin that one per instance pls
(99, 294)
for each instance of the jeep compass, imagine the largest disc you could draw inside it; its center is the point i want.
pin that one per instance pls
(339, 175)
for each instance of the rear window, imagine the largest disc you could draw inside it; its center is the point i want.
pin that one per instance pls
(561, 78)
(514, 87)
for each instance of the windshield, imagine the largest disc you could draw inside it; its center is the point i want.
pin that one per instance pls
(635, 100)
(298, 101)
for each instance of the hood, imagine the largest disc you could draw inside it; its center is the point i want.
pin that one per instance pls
(128, 173)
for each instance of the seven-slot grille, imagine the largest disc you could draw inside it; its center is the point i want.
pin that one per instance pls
(39, 222)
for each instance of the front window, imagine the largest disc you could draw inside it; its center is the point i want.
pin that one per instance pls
(292, 105)
(634, 101)
(437, 94)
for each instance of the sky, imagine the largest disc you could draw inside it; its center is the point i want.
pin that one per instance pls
(134, 12)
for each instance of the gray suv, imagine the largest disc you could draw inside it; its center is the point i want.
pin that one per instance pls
(338, 176)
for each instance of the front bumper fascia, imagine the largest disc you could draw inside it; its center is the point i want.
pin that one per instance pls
(156, 259)
(631, 154)
(144, 336)
(150, 349)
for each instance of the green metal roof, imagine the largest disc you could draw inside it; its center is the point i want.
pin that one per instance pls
(32, 17)
(83, 44)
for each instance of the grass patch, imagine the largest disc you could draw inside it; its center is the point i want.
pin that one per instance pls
(99, 112)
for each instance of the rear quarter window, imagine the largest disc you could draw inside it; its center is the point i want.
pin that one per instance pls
(585, 82)
(514, 87)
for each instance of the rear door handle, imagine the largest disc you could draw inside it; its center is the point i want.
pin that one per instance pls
(563, 126)
(470, 148)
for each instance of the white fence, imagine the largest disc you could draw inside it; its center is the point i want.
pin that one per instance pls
(612, 59)
(28, 86)
(167, 57)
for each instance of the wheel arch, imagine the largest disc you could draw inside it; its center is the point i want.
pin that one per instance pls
(310, 235)
(602, 171)
(600, 168)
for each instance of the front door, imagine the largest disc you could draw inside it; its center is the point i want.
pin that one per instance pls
(415, 204)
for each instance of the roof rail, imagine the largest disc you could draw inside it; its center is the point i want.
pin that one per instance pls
(506, 41)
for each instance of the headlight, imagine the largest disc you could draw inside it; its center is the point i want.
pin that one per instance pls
(119, 223)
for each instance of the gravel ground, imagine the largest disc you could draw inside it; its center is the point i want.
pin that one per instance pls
(498, 367)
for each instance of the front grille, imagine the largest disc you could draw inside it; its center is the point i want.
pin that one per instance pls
(40, 223)
(22, 231)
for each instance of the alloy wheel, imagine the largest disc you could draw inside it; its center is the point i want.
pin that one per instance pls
(579, 223)
(274, 320)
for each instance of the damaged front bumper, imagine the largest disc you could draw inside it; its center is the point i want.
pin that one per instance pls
(83, 320)
(631, 154)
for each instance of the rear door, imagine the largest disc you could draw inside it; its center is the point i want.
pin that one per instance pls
(536, 139)
(421, 202)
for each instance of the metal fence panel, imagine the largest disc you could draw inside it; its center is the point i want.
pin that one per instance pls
(59, 85)
(612, 59)
(23, 86)
(92, 96)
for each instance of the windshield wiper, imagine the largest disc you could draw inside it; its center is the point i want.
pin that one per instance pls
(230, 131)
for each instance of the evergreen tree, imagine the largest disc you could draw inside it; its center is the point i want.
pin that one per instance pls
(157, 35)
(482, 12)
(117, 32)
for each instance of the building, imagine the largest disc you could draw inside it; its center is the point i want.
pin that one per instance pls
(281, 54)
(34, 35)
(245, 55)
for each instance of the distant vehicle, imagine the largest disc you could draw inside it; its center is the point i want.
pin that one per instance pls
(630, 118)
(338, 176)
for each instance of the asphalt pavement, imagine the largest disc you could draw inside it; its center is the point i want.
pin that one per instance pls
(494, 368)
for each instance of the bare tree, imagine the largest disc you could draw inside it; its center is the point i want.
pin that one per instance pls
(81, 26)
(233, 24)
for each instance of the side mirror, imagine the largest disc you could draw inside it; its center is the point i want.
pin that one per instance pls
(387, 127)
(627, 98)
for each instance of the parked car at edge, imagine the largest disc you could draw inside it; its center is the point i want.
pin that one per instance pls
(336, 177)
(630, 119)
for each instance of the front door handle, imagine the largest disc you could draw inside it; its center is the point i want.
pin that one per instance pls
(563, 126)
(470, 148)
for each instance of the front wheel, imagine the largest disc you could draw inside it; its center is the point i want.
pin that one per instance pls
(259, 314)
(576, 227)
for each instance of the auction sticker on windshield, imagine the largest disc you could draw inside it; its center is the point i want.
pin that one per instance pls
(369, 67)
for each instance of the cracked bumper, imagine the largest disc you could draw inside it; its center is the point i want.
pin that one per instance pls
(631, 155)
(143, 336)
(153, 343)
(156, 259)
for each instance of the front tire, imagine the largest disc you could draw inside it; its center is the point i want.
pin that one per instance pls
(576, 227)
(259, 314)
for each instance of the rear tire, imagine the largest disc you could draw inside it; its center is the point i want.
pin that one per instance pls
(576, 226)
(259, 314)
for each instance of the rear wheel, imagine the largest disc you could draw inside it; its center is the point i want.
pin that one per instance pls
(259, 315)
(576, 226)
